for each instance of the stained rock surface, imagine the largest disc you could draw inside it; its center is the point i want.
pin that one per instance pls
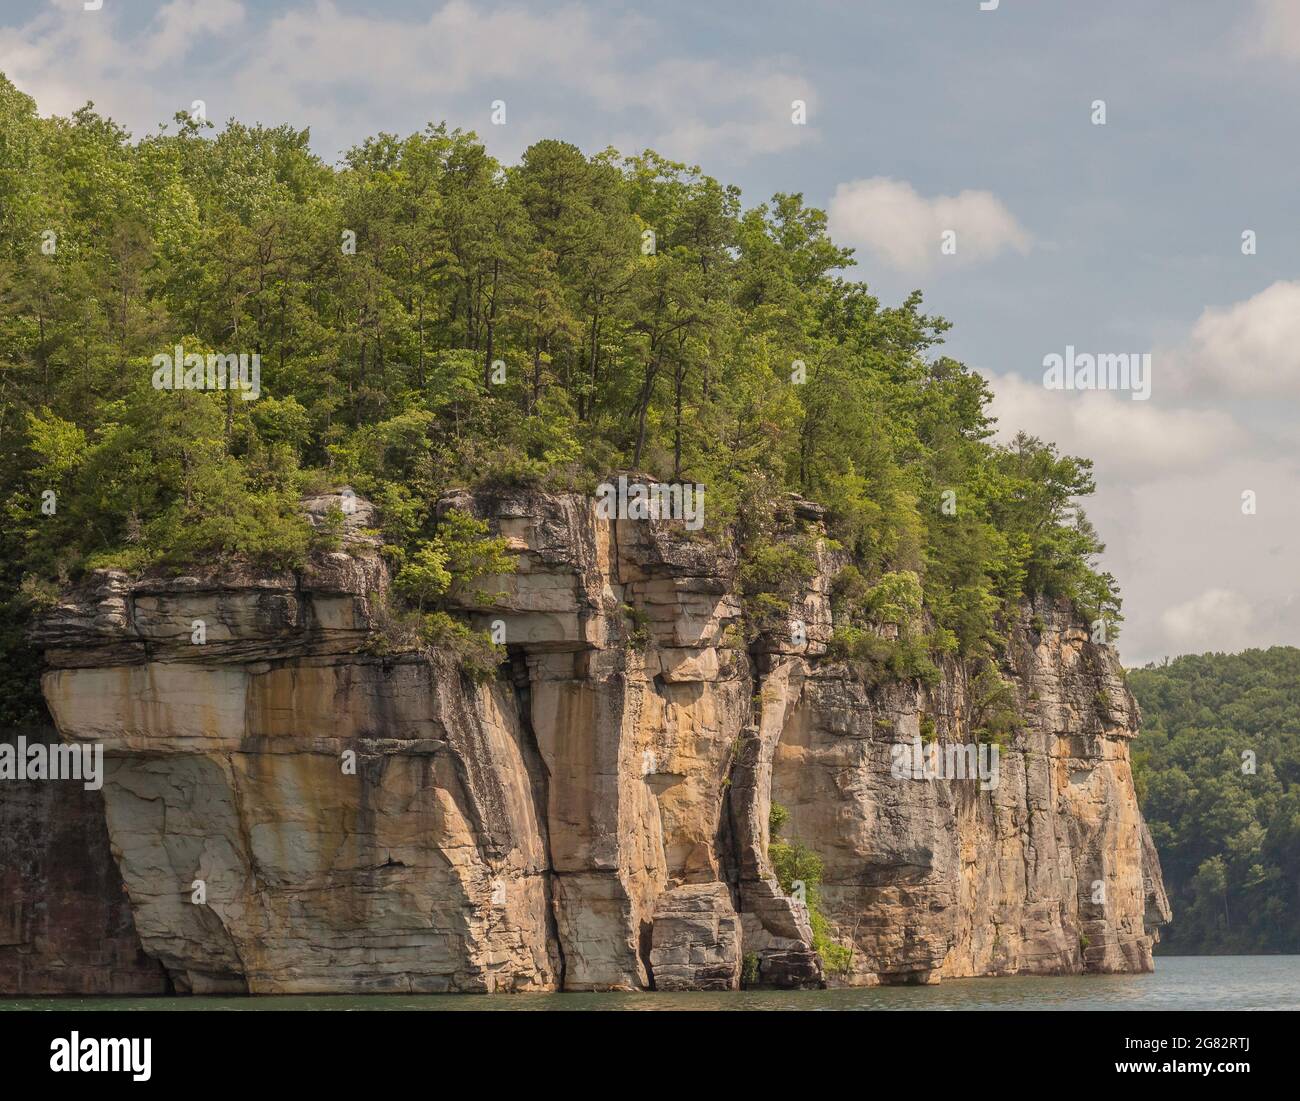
(294, 808)
(65, 921)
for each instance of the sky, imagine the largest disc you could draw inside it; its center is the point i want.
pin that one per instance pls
(1051, 175)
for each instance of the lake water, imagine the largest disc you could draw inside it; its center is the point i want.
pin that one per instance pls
(1179, 982)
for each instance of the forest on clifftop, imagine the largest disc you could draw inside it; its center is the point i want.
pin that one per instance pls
(426, 317)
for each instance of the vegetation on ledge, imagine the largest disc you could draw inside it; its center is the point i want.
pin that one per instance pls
(799, 871)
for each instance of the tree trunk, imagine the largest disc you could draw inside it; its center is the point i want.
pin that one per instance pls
(651, 369)
(491, 328)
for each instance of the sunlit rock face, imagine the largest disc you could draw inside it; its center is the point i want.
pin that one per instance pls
(1049, 872)
(294, 809)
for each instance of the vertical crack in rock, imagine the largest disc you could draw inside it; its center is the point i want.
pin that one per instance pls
(541, 780)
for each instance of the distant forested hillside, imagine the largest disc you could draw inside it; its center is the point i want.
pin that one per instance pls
(1229, 837)
(426, 317)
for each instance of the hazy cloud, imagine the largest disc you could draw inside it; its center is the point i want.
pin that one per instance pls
(1133, 441)
(1217, 619)
(348, 74)
(1276, 28)
(1168, 505)
(182, 24)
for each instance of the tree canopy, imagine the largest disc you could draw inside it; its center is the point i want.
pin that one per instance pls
(426, 317)
(1218, 770)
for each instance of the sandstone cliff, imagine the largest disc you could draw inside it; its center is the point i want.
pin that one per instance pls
(597, 817)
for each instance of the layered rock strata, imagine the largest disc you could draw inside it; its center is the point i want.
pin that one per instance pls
(295, 808)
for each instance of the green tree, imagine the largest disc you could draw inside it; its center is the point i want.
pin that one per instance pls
(1218, 767)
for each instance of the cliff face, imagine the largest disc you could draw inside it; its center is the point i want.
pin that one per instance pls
(294, 810)
(65, 921)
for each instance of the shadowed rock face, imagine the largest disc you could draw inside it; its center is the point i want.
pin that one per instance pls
(65, 920)
(293, 812)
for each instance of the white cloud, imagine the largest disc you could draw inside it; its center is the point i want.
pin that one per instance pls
(576, 71)
(1196, 572)
(1276, 28)
(1171, 540)
(181, 24)
(905, 230)
(1217, 619)
(1130, 441)
(51, 56)
(1249, 349)
(738, 108)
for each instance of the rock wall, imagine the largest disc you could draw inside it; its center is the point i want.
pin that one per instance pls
(65, 921)
(294, 808)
